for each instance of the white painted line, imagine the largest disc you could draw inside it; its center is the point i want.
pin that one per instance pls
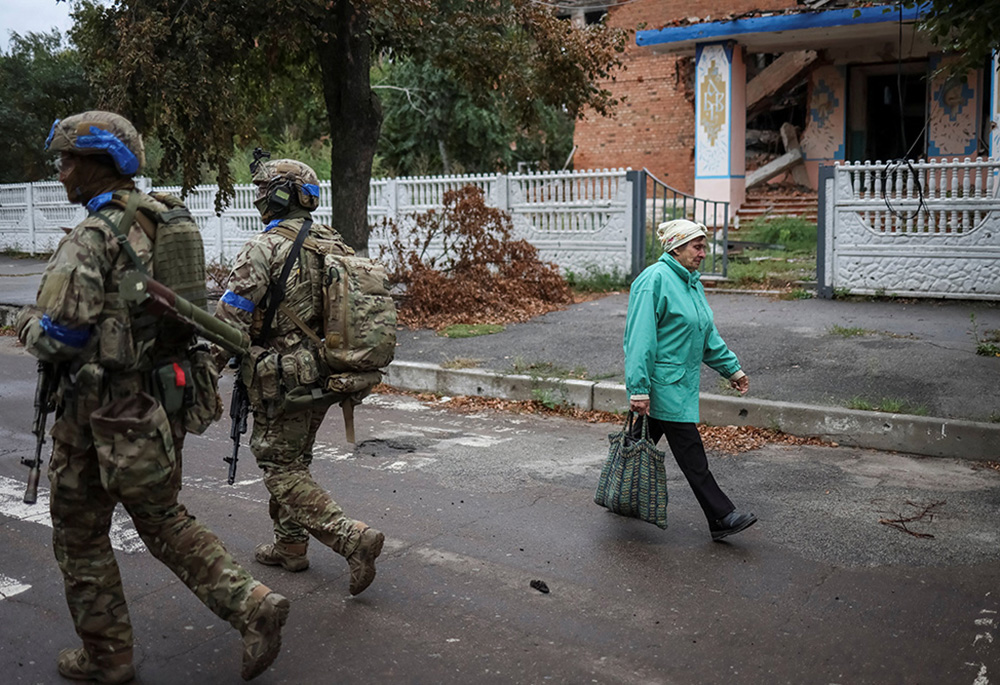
(10, 587)
(124, 538)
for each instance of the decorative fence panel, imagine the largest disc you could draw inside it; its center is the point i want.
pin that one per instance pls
(919, 229)
(580, 220)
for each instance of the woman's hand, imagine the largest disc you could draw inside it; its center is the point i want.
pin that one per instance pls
(742, 384)
(640, 407)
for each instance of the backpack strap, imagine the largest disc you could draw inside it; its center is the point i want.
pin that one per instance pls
(121, 230)
(276, 293)
(297, 320)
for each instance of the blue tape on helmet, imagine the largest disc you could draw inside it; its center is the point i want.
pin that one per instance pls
(234, 300)
(99, 201)
(52, 133)
(99, 139)
(74, 337)
(311, 189)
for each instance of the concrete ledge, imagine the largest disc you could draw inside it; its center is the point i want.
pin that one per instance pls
(8, 313)
(422, 377)
(936, 437)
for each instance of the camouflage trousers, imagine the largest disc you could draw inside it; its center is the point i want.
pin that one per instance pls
(85, 491)
(299, 506)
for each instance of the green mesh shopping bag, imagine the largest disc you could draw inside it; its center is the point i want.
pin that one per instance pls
(633, 482)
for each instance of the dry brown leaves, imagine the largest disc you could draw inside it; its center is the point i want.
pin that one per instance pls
(726, 439)
(994, 465)
(480, 275)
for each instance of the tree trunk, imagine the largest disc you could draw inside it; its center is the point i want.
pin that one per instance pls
(355, 116)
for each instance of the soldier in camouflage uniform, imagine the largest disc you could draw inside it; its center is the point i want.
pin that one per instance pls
(286, 361)
(112, 441)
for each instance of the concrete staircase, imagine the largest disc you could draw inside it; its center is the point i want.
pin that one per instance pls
(755, 206)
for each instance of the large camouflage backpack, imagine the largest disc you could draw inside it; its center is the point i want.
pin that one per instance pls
(359, 317)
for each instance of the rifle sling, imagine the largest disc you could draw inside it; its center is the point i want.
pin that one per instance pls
(277, 289)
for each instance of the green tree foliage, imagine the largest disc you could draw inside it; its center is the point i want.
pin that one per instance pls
(435, 124)
(41, 79)
(197, 74)
(969, 29)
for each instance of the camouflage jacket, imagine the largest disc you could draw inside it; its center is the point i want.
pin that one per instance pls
(80, 320)
(258, 268)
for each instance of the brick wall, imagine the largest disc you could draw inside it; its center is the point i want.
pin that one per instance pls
(654, 128)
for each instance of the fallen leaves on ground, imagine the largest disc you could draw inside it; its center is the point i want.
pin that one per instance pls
(727, 439)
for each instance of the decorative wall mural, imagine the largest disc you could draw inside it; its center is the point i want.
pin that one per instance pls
(713, 74)
(824, 134)
(954, 112)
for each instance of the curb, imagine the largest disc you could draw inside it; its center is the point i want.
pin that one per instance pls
(928, 436)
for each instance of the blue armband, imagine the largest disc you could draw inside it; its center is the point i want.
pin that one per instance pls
(234, 300)
(74, 337)
(272, 224)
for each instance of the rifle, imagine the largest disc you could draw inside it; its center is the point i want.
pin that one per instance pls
(159, 300)
(239, 407)
(48, 380)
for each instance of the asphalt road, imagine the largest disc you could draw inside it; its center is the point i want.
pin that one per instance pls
(476, 506)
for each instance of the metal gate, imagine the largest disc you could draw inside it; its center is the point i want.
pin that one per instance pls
(655, 202)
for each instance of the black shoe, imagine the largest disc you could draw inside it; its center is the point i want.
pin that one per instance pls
(734, 522)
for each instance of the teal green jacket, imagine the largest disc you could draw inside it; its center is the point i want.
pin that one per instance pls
(669, 332)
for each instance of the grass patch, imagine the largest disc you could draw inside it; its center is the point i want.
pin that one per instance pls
(470, 330)
(593, 280)
(986, 344)
(848, 331)
(986, 349)
(461, 363)
(776, 268)
(890, 405)
(795, 234)
(546, 370)
(798, 294)
(7, 330)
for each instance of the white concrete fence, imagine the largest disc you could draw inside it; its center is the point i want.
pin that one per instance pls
(918, 229)
(580, 220)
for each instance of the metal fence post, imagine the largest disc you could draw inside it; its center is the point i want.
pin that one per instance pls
(638, 181)
(826, 177)
(30, 197)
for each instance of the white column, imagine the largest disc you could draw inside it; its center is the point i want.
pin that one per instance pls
(720, 123)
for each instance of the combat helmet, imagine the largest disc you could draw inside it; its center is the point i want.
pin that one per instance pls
(99, 133)
(280, 179)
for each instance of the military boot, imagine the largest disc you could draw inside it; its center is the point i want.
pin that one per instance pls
(75, 663)
(362, 559)
(289, 556)
(262, 634)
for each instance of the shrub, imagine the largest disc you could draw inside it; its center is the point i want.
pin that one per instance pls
(462, 265)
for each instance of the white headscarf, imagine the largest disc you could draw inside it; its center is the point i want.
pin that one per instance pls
(673, 234)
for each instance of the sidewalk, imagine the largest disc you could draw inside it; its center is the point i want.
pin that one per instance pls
(808, 360)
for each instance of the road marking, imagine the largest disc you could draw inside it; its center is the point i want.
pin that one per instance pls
(124, 537)
(10, 587)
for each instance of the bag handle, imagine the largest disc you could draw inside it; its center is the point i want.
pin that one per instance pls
(630, 419)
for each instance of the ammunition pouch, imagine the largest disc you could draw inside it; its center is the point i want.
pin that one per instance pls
(206, 407)
(135, 448)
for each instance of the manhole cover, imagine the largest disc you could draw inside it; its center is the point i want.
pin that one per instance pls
(386, 448)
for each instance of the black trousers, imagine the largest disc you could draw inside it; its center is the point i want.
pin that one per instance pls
(689, 451)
